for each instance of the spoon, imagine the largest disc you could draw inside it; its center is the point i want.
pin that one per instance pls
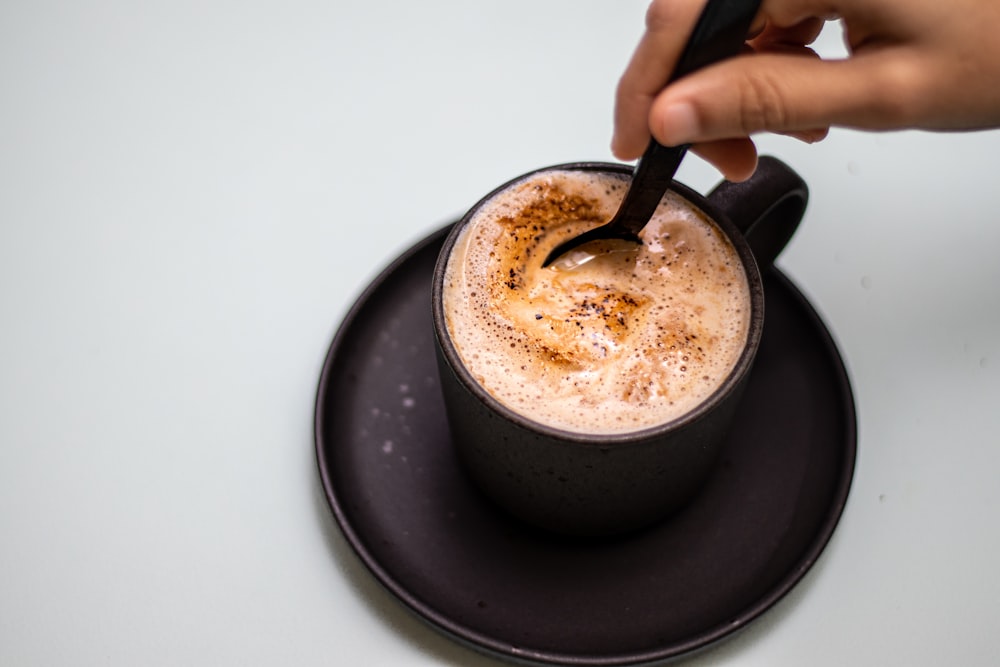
(719, 34)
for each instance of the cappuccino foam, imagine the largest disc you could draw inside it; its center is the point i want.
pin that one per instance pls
(637, 336)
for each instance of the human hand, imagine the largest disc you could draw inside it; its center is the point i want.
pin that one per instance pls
(912, 64)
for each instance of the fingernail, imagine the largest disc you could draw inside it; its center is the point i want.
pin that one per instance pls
(680, 124)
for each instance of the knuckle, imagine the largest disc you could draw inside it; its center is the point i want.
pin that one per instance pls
(659, 15)
(762, 104)
(664, 15)
(898, 93)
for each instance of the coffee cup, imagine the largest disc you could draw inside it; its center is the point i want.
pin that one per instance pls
(593, 397)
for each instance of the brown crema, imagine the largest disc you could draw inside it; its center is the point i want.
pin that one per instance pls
(633, 337)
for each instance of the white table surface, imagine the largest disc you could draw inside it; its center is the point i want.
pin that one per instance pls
(193, 193)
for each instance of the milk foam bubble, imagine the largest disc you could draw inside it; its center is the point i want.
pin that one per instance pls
(635, 337)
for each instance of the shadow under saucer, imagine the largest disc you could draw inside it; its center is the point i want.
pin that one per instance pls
(425, 532)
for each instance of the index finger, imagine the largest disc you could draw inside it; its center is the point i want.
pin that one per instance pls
(669, 24)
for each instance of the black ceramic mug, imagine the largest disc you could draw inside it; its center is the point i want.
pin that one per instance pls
(601, 484)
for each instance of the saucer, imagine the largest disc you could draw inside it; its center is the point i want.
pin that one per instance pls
(425, 532)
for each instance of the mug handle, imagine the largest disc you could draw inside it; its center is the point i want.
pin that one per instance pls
(767, 207)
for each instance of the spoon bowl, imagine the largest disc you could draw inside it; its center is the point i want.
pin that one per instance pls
(653, 173)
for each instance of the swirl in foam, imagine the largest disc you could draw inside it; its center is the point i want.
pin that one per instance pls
(635, 337)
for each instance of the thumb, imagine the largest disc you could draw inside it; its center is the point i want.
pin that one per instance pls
(775, 92)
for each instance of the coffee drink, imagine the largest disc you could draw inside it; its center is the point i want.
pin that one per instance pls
(620, 338)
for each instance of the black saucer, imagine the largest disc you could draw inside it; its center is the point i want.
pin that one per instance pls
(426, 534)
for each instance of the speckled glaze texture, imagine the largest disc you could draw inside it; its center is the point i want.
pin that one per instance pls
(597, 485)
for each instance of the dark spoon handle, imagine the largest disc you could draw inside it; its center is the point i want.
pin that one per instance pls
(652, 175)
(719, 34)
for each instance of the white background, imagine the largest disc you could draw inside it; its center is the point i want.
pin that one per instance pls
(193, 193)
